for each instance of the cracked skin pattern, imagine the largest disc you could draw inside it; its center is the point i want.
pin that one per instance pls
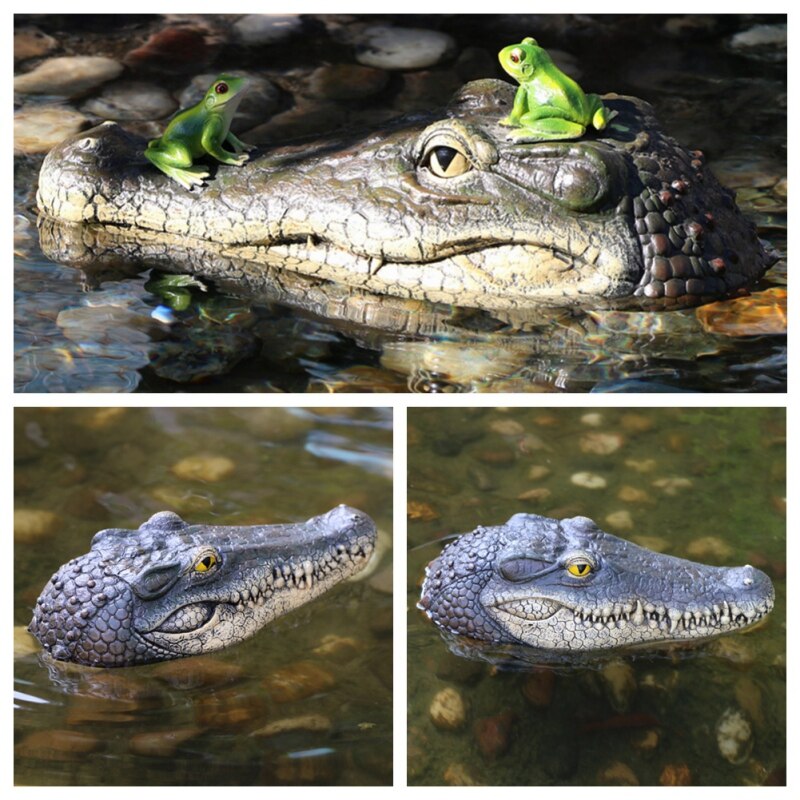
(171, 589)
(623, 216)
(517, 584)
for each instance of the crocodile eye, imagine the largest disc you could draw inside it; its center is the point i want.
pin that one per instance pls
(447, 162)
(221, 88)
(579, 567)
(206, 563)
(517, 55)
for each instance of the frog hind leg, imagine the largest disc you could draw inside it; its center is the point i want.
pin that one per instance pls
(601, 115)
(546, 130)
(177, 164)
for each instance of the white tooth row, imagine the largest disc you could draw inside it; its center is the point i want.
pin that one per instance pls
(654, 616)
(300, 576)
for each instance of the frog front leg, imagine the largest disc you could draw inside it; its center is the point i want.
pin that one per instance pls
(518, 109)
(175, 160)
(237, 144)
(600, 114)
(211, 141)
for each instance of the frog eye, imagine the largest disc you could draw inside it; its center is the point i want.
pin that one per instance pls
(517, 55)
(221, 88)
(447, 162)
(206, 563)
(579, 567)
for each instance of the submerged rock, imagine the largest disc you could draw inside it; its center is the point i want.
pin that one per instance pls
(448, 710)
(734, 736)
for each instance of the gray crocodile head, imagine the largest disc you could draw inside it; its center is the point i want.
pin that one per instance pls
(438, 207)
(565, 585)
(171, 589)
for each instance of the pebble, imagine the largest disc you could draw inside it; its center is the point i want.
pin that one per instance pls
(421, 512)
(493, 734)
(185, 674)
(761, 39)
(617, 774)
(58, 745)
(636, 423)
(68, 76)
(32, 43)
(257, 29)
(298, 681)
(734, 736)
(311, 723)
(177, 49)
(601, 444)
(709, 547)
(538, 472)
(647, 741)
(588, 480)
(459, 775)
(338, 648)
(630, 494)
(103, 418)
(276, 425)
(228, 710)
(387, 47)
(38, 129)
(32, 524)
(672, 485)
(206, 468)
(620, 520)
(507, 427)
(162, 744)
(593, 419)
(675, 775)
(129, 100)
(448, 710)
(535, 495)
(641, 465)
(499, 456)
(619, 683)
(345, 82)
(180, 500)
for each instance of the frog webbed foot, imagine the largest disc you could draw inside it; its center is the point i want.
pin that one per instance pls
(188, 177)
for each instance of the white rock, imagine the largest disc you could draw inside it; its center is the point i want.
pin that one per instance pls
(734, 736)
(387, 47)
(267, 28)
(131, 100)
(589, 480)
(68, 76)
(38, 129)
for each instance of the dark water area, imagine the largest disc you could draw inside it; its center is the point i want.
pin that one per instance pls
(718, 84)
(704, 484)
(305, 701)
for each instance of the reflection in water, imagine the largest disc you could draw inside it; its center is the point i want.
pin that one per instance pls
(307, 700)
(707, 485)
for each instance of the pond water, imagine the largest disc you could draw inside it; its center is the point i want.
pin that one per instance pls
(718, 84)
(708, 485)
(307, 700)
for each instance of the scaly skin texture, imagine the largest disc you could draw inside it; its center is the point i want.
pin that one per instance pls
(171, 589)
(565, 585)
(627, 216)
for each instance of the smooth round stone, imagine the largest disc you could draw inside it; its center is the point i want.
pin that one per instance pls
(448, 709)
(39, 129)
(297, 681)
(267, 28)
(734, 736)
(69, 76)
(762, 40)
(206, 468)
(600, 443)
(31, 524)
(32, 43)
(620, 520)
(275, 425)
(588, 480)
(131, 100)
(387, 47)
(346, 82)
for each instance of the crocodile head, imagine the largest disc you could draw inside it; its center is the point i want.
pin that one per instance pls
(438, 207)
(171, 589)
(565, 585)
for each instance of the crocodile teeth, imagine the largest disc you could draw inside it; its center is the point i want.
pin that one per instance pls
(638, 614)
(674, 618)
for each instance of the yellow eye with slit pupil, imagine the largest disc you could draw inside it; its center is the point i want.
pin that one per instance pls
(580, 569)
(205, 564)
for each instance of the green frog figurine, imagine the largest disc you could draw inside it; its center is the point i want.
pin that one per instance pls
(548, 104)
(201, 130)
